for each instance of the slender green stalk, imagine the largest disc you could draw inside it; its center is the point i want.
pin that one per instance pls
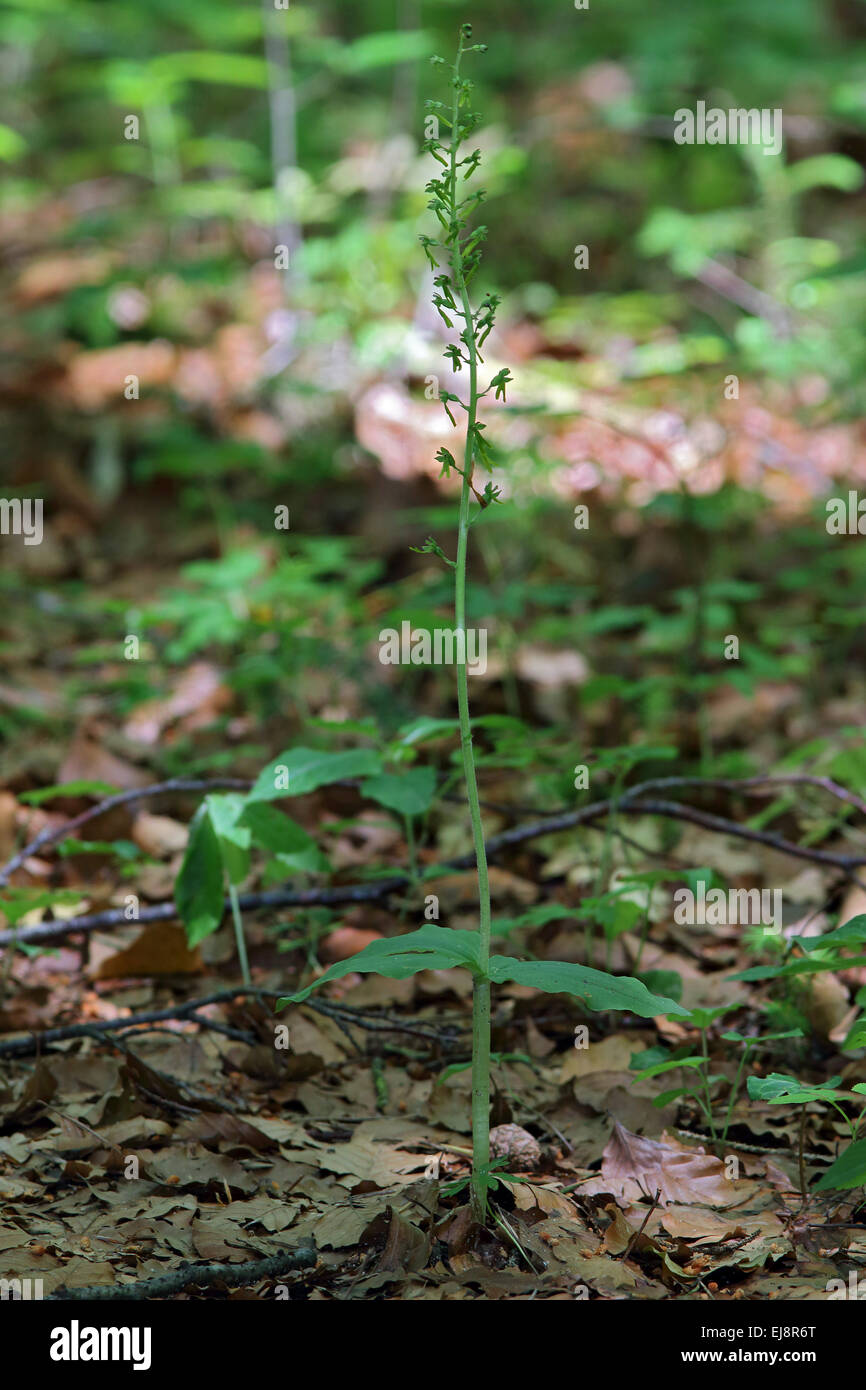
(644, 931)
(705, 1077)
(239, 933)
(412, 846)
(734, 1092)
(481, 993)
(452, 299)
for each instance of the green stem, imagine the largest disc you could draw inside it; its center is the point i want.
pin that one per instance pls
(644, 932)
(602, 876)
(412, 847)
(852, 1124)
(481, 992)
(239, 933)
(705, 1077)
(734, 1093)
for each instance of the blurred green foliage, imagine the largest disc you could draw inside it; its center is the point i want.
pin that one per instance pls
(578, 148)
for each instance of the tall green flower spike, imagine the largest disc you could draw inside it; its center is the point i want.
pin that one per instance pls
(435, 947)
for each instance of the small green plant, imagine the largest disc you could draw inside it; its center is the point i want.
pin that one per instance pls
(436, 947)
(796, 960)
(659, 1061)
(849, 1169)
(228, 826)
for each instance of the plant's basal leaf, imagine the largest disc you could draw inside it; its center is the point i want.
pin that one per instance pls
(703, 1018)
(732, 1035)
(849, 1170)
(409, 793)
(768, 1087)
(301, 770)
(598, 990)
(428, 948)
(15, 903)
(198, 890)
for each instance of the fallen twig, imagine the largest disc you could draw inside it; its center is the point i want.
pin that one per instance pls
(625, 804)
(36, 1041)
(636, 1235)
(302, 1256)
(52, 834)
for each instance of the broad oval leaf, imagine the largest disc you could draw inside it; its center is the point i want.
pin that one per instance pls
(274, 831)
(302, 770)
(849, 1170)
(409, 793)
(198, 889)
(597, 989)
(292, 848)
(850, 933)
(779, 1089)
(225, 811)
(398, 957)
(768, 1087)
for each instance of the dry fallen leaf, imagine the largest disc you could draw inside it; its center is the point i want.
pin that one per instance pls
(159, 836)
(160, 950)
(610, 1054)
(197, 698)
(88, 761)
(633, 1167)
(344, 942)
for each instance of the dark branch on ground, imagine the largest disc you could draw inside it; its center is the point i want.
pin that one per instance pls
(302, 1256)
(52, 834)
(626, 804)
(36, 1042)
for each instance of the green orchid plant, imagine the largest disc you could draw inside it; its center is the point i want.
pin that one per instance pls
(455, 258)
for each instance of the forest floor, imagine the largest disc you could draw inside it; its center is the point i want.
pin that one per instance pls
(167, 1121)
(167, 1126)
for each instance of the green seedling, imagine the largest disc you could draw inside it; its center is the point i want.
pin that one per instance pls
(820, 953)
(849, 1169)
(698, 1063)
(229, 827)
